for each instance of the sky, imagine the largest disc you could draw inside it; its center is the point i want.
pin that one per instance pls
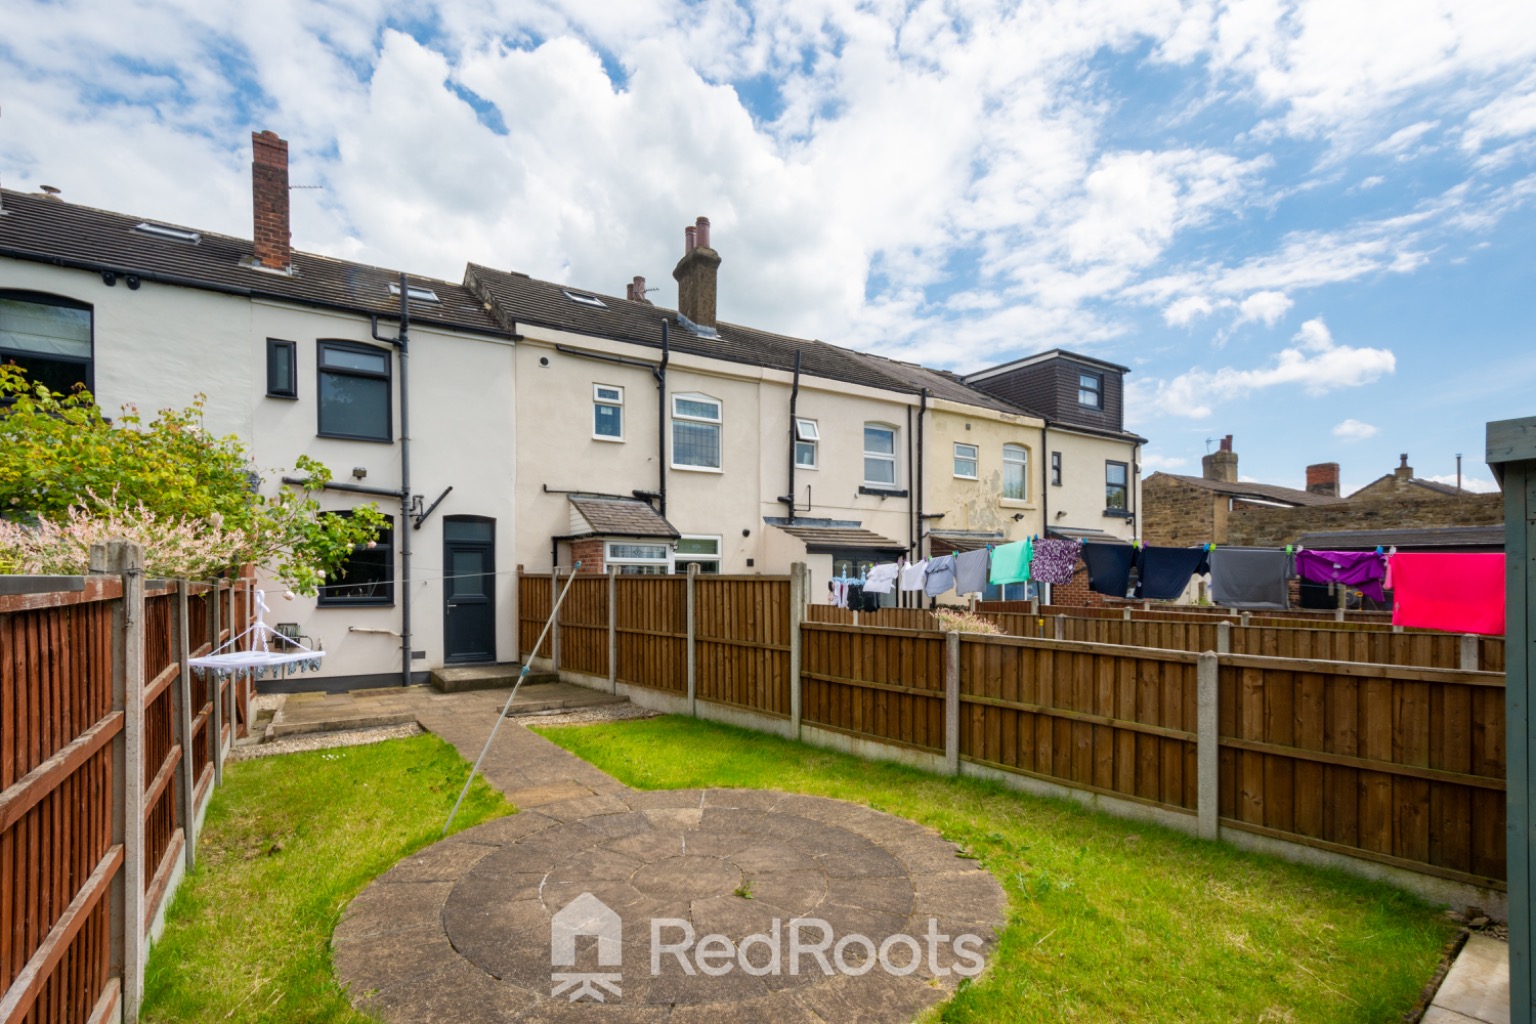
(1305, 224)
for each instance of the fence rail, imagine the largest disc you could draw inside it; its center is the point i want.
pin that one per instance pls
(107, 761)
(1376, 745)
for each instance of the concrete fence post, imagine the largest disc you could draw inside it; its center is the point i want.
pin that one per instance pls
(1246, 618)
(1061, 626)
(554, 628)
(181, 708)
(1125, 613)
(1223, 637)
(1208, 746)
(216, 720)
(952, 703)
(1034, 606)
(693, 639)
(125, 559)
(1471, 650)
(798, 586)
(613, 629)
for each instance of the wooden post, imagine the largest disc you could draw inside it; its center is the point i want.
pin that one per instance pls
(1208, 746)
(215, 686)
(554, 629)
(693, 630)
(1224, 637)
(613, 629)
(123, 558)
(1470, 651)
(952, 703)
(798, 585)
(1512, 457)
(181, 708)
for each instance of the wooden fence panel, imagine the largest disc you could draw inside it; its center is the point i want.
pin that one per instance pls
(533, 606)
(884, 618)
(1399, 765)
(584, 625)
(741, 642)
(56, 794)
(1113, 720)
(653, 632)
(873, 683)
(199, 624)
(163, 834)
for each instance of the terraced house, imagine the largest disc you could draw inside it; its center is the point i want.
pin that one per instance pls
(505, 421)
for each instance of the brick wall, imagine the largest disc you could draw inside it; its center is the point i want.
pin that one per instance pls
(1177, 514)
(1077, 593)
(1276, 527)
(589, 552)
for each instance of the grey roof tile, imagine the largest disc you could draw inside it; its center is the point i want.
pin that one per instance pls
(622, 517)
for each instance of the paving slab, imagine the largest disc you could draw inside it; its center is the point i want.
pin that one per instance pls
(1477, 986)
(734, 883)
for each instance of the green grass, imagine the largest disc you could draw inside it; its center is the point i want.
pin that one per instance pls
(288, 841)
(1108, 920)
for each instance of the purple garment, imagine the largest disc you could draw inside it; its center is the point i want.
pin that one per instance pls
(1363, 570)
(1055, 560)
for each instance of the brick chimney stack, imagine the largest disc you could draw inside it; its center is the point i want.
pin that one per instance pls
(1221, 464)
(696, 273)
(1404, 472)
(1323, 478)
(269, 201)
(635, 290)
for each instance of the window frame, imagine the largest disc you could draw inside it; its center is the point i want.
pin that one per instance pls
(324, 345)
(663, 564)
(1096, 389)
(1055, 469)
(974, 459)
(292, 388)
(1022, 461)
(598, 401)
(681, 560)
(718, 422)
(807, 434)
(1124, 486)
(16, 355)
(881, 456)
(386, 542)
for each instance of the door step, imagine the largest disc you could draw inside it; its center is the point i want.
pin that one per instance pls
(463, 678)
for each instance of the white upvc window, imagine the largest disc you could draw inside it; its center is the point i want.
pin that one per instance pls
(1015, 472)
(807, 436)
(696, 423)
(879, 455)
(965, 461)
(607, 412)
(700, 550)
(634, 557)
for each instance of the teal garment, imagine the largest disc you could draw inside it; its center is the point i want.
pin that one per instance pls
(1010, 562)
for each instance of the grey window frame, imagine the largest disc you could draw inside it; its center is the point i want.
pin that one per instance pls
(1055, 469)
(16, 355)
(1124, 487)
(292, 388)
(1097, 390)
(324, 345)
(386, 542)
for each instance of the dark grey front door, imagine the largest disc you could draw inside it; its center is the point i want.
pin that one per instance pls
(469, 589)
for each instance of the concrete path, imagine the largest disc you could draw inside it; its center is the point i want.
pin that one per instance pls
(467, 930)
(1476, 989)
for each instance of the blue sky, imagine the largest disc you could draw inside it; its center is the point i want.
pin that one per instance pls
(1302, 223)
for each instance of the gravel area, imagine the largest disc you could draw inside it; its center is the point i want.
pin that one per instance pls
(324, 741)
(588, 716)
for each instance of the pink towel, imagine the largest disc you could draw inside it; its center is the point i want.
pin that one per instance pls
(1452, 593)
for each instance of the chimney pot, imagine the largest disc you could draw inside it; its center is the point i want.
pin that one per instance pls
(1403, 471)
(1221, 464)
(690, 242)
(701, 232)
(1226, 443)
(271, 242)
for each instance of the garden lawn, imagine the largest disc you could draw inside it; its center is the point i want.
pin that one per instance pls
(1109, 920)
(287, 842)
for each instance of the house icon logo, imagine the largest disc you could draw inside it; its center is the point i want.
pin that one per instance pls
(586, 915)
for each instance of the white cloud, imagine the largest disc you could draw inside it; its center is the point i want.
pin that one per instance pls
(1354, 430)
(1183, 312)
(1370, 182)
(1156, 461)
(1476, 484)
(1266, 307)
(1404, 139)
(1317, 364)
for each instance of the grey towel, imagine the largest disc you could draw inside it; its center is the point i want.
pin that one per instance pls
(1251, 577)
(941, 575)
(971, 571)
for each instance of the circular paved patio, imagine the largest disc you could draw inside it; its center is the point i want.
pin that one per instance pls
(462, 931)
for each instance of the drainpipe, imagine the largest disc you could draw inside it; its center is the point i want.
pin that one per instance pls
(660, 373)
(402, 345)
(922, 414)
(794, 398)
(901, 595)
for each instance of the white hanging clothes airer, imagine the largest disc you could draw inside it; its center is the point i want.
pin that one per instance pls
(260, 659)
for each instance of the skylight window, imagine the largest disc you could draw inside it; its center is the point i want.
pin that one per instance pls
(166, 231)
(585, 300)
(419, 294)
